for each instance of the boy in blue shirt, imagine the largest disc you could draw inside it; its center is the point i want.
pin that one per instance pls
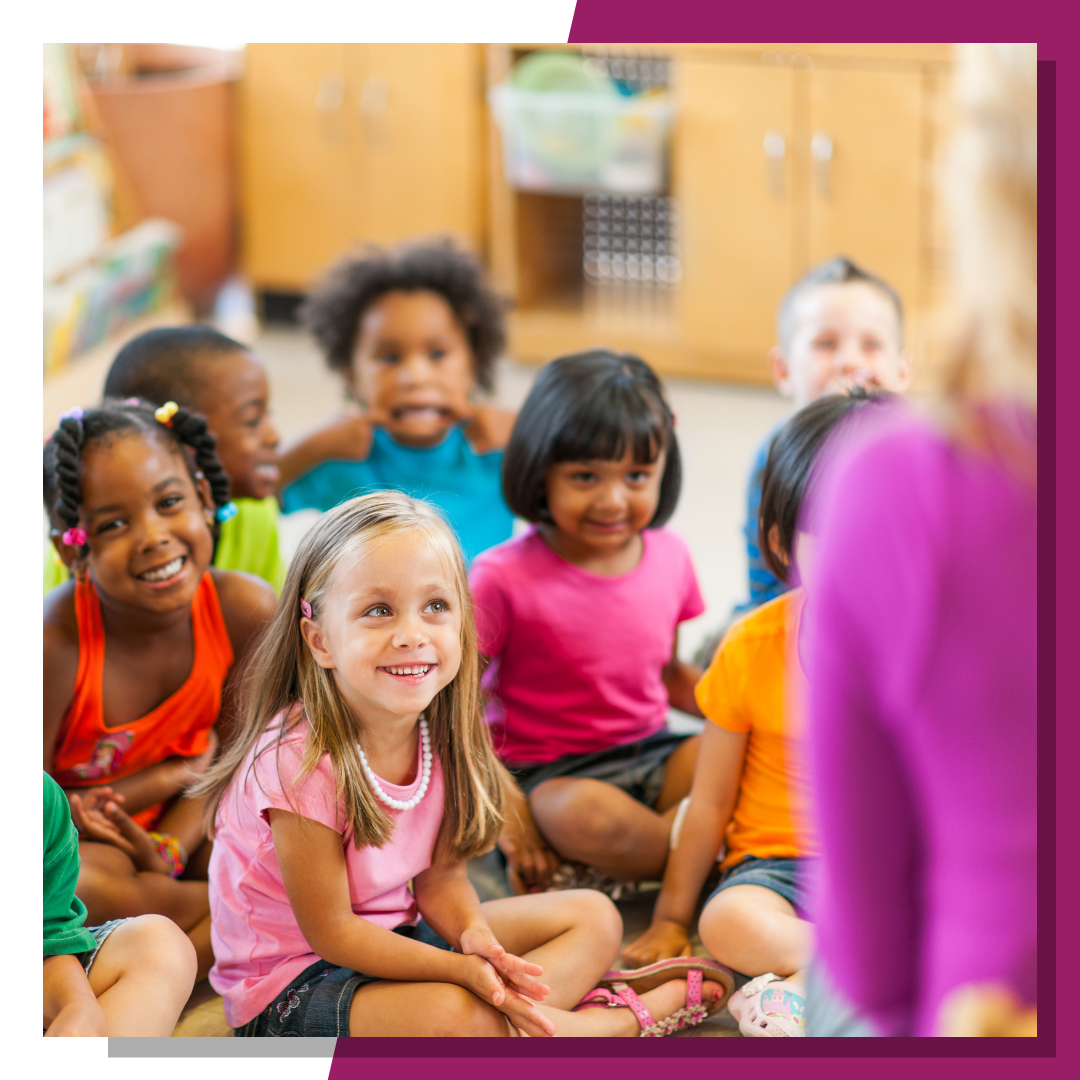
(838, 326)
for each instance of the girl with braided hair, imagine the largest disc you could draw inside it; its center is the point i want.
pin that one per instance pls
(140, 646)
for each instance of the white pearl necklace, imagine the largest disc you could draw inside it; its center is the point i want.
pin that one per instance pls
(403, 804)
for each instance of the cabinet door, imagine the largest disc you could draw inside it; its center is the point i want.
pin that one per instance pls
(865, 172)
(294, 158)
(418, 149)
(733, 179)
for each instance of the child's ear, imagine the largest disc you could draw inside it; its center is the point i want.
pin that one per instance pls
(202, 486)
(778, 370)
(774, 546)
(70, 556)
(903, 371)
(316, 643)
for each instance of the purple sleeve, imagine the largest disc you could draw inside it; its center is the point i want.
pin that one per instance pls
(865, 607)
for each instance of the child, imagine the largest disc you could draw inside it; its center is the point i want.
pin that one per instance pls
(137, 649)
(837, 326)
(363, 765)
(127, 977)
(749, 781)
(414, 333)
(209, 373)
(579, 618)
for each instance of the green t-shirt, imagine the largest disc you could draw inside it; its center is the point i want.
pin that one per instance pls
(248, 541)
(63, 912)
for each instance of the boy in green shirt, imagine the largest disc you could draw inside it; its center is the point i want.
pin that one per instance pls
(126, 977)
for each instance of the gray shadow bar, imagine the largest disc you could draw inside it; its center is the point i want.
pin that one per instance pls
(221, 1048)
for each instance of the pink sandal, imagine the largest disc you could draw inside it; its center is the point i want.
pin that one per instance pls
(677, 967)
(620, 995)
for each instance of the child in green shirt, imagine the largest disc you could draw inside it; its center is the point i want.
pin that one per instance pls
(209, 373)
(126, 977)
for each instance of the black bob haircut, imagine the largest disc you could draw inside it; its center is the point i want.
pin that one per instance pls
(166, 364)
(62, 459)
(333, 311)
(790, 468)
(588, 407)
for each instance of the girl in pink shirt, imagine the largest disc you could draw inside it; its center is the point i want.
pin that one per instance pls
(363, 764)
(580, 617)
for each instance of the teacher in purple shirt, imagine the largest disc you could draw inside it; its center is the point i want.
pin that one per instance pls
(919, 636)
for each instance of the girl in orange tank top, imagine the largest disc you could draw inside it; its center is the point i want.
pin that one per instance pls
(139, 649)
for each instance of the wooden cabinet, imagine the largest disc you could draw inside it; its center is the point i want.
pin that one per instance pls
(347, 143)
(735, 182)
(782, 156)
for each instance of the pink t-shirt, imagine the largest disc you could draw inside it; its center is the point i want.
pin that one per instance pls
(577, 656)
(258, 946)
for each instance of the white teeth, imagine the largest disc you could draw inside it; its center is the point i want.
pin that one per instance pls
(165, 572)
(415, 669)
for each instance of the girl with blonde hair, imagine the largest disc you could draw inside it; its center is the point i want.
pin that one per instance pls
(364, 764)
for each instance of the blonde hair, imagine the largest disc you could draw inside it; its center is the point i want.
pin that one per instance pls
(990, 187)
(284, 680)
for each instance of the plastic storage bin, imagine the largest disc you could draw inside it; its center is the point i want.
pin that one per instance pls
(567, 142)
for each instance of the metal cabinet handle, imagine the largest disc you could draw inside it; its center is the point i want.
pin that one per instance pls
(775, 151)
(373, 96)
(821, 150)
(331, 93)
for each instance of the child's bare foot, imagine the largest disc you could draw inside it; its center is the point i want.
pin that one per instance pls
(661, 1002)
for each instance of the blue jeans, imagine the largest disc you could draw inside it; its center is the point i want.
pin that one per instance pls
(783, 876)
(317, 1002)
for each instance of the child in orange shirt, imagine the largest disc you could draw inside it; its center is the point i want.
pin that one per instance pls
(748, 777)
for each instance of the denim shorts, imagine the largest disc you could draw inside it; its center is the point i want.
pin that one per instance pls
(100, 934)
(637, 768)
(317, 1002)
(784, 876)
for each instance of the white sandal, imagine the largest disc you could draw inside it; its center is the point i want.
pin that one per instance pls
(766, 1010)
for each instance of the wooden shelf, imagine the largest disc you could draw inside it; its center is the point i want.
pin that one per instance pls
(79, 382)
(540, 334)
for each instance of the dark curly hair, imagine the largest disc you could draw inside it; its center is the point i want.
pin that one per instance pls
(333, 311)
(64, 450)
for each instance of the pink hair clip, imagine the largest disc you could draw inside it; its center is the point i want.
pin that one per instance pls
(131, 401)
(305, 607)
(75, 537)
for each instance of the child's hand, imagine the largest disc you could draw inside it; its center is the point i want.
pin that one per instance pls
(90, 813)
(349, 436)
(662, 941)
(532, 861)
(480, 941)
(507, 981)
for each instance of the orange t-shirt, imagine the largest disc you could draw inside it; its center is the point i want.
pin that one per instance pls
(753, 685)
(89, 753)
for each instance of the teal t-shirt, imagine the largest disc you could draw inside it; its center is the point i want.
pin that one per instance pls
(466, 485)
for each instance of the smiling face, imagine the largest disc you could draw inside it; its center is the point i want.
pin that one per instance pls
(413, 366)
(238, 414)
(844, 335)
(146, 523)
(601, 506)
(390, 628)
